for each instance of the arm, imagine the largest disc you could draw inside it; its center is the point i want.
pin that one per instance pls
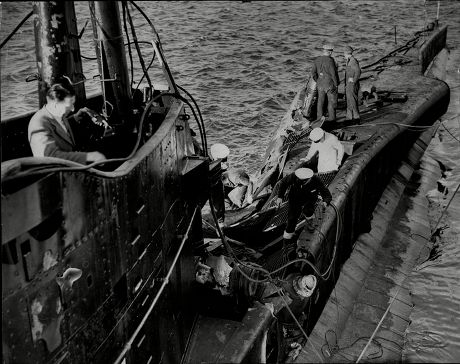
(357, 73)
(340, 150)
(323, 190)
(43, 144)
(335, 73)
(311, 152)
(283, 185)
(314, 71)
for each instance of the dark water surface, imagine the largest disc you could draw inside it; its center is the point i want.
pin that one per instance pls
(243, 63)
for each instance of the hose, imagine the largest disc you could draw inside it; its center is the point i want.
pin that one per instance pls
(16, 29)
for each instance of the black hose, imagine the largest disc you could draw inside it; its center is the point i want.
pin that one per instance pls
(125, 26)
(16, 29)
(148, 20)
(199, 113)
(139, 53)
(148, 67)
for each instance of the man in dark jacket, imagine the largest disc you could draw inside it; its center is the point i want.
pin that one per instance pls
(49, 131)
(304, 189)
(352, 74)
(325, 73)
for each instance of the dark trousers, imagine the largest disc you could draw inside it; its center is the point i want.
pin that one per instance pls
(351, 92)
(331, 96)
(296, 208)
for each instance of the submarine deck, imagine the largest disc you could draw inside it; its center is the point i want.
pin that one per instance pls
(373, 281)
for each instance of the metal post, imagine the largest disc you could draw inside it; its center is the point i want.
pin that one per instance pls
(110, 50)
(57, 46)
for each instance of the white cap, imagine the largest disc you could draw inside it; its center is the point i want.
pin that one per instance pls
(328, 47)
(303, 173)
(316, 134)
(219, 151)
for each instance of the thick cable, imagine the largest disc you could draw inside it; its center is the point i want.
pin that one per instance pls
(16, 29)
(160, 291)
(200, 115)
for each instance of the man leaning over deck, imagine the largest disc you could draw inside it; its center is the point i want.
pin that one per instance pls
(49, 131)
(330, 151)
(325, 73)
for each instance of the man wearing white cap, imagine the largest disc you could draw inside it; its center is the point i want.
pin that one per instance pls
(325, 73)
(352, 74)
(302, 196)
(236, 182)
(330, 151)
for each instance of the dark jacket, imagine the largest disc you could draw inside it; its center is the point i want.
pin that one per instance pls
(303, 191)
(352, 70)
(48, 138)
(325, 73)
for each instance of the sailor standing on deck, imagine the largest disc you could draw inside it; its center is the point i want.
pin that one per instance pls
(352, 74)
(303, 189)
(325, 73)
(330, 151)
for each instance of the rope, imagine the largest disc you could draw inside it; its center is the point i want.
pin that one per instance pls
(397, 292)
(445, 209)
(452, 135)
(160, 291)
(16, 29)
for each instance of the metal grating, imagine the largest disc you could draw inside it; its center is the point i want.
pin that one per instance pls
(327, 177)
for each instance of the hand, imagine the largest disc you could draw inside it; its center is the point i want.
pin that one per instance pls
(95, 157)
(350, 80)
(325, 204)
(278, 201)
(82, 113)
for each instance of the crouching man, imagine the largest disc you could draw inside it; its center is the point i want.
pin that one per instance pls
(303, 189)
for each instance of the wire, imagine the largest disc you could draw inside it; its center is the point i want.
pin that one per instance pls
(139, 53)
(16, 29)
(148, 67)
(417, 127)
(126, 310)
(125, 26)
(160, 291)
(452, 135)
(201, 118)
(148, 20)
(445, 209)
